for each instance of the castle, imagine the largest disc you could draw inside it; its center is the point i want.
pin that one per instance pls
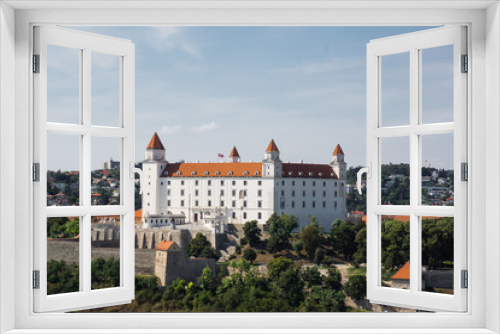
(215, 194)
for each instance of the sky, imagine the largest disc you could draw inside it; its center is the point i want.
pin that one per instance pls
(207, 89)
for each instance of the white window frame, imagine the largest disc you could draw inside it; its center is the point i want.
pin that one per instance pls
(86, 43)
(483, 19)
(413, 43)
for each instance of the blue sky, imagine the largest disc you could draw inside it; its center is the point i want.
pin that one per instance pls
(205, 89)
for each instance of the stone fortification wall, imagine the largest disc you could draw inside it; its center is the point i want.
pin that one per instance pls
(68, 251)
(107, 235)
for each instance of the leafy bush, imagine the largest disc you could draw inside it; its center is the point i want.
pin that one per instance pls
(249, 254)
(356, 287)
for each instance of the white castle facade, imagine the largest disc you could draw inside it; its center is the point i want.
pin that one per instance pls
(236, 192)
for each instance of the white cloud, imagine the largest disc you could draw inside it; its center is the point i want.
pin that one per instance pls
(170, 38)
(170, 130)
(204, 127)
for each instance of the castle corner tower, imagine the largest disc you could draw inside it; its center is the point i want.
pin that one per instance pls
(234, 156)
(154, 190)
(272, 165)
(338, 163)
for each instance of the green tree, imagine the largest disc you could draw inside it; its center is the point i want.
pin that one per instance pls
(342, 236)
(252, 232)
(310, 276)
(333, 279)
(280, 229)
(249, 254)
(395, 243)
(199, 246)
(311, 238)
(319, 256)
(276, 266)
(356, 286)
(298, 246)
(360, 240)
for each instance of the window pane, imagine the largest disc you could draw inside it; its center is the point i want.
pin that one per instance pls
(395, 266)
(105, 89)
(105, 265)
(106, 157)
(63, 170)
(395, 89)
(437, 84)
(437, 254)
(63, 84)
(395, 169)
(437, 170)
(63, 255)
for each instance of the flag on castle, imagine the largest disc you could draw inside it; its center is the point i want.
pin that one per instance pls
(221, 155)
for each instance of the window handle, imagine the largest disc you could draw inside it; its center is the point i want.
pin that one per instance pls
(368, 171)
(134, 170)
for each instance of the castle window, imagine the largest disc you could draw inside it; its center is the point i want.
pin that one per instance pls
(209, 182)
(161, 183)
(182, 203)
(256, 172)
(168, 183)
(193, 173)
(196, 192)
(206, 173)
(324, 183)
(221, 203)
(182, 192)
(234, 182)
(244, 193)
(303, 193)
(303, 204)
(233, 204)
(182, 182)
(293, 204)
(324, 193)
(196, 203)
(303, 183)
(314, 193)
(259, 204)
(335, 205)
(221, 182)
(244, 215)
(259, 183)
(196, 182)
(179, 173)
(313, 204)
(293, 193)
(244, 183)
(148, 204)
(282, 193)
(320, 174)
(314, 183)
(210, 193)
(290, 173)
(293, 183)
(222, 192)
(335, 193)
(324, 204)
(217, 173)
(335, 184)
(244, 204)
(168, 203)
(245, 172)
(230, 172)
(234, 215)
(300, 173)
(209, 203)
(259, 215)
(259, 193)
(311, 173)
(234, 192)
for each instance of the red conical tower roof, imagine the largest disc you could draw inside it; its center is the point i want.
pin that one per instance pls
(338, 150)
(272, 147)
(155, 143)
(234, 153)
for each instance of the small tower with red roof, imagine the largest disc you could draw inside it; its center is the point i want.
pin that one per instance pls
(338, 163)
(154, 201)
(272, 165)
(234, 156)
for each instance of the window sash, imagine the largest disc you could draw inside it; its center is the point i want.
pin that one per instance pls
(412, 43)
(86, 43)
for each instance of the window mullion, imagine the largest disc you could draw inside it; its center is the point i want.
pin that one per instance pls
(414, 170)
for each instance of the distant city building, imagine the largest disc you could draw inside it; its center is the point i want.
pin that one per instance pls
(237, 192)
(111, 164)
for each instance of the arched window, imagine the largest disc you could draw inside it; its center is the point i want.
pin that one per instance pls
(193, 173)
(179, 173)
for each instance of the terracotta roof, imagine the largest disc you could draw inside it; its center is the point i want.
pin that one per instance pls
(403, 273)
(272, 147)
(398, 218)
(138, 213)
(308, 170)
(213, 169)
(164, 245)
(338, 150)
(234, 153)
(155, 143)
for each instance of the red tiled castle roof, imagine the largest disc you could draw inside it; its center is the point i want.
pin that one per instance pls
(338, 150)
(234, 153)
(272, 147)
(155, 143)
